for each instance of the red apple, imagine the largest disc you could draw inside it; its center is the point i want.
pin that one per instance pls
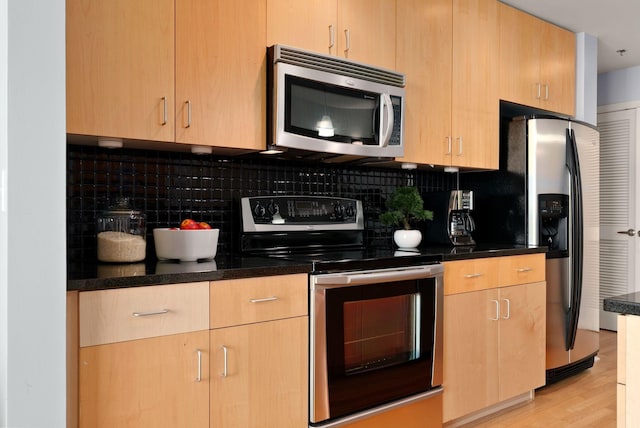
(188, 224)
(204, 225)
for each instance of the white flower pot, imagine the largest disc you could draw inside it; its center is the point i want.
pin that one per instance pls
(407, 238)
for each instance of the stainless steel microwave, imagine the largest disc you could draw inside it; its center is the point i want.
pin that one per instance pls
(327, 104)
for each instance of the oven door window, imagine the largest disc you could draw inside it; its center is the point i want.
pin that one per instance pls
(379, 343)
(380, 333)
(317, 110)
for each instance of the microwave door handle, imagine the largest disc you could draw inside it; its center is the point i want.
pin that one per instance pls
(387, 120)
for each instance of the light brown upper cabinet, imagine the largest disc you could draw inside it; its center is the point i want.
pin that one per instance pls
(449, 51)
(220, 73)
(120, 68)
(360, 30)
(538, 61)
(173, 71)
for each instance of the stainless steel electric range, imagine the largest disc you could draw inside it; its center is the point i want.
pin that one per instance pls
(375, 316)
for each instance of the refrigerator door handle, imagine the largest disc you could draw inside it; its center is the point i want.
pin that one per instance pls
(573, 165)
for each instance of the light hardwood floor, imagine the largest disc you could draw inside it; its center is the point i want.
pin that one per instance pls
(584, 400)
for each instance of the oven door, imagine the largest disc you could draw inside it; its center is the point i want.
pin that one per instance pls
(376, 337)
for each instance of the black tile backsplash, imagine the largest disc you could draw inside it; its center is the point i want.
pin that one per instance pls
(170, 186)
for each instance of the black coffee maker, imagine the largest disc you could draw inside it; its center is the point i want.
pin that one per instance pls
(452, 222)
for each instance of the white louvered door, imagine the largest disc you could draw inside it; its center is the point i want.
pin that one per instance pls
(619, 208)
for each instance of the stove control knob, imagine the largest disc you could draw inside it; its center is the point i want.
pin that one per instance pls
(350, 211)
(273, 208)
(338, 210)
(259, 210)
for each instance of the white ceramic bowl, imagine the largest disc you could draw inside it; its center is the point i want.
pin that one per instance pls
(185, 245)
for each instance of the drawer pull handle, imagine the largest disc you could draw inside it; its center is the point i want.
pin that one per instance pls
(472, 275)
(225, 353)
(266, 299)
(146, 314)
(199, 378)
(525, 269)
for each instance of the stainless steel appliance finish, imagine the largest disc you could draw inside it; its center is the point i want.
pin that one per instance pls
(558, 160)
(452, 222)
(284, 224)
(322, 103)
(378, 331)
(375, 317)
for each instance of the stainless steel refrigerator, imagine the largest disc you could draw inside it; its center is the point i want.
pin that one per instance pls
(547, 193)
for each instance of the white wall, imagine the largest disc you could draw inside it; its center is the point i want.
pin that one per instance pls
(3, 215)
(619, 86)
(32, 229)
(586, 78)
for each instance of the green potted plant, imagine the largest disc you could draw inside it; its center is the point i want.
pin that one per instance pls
(405, 208)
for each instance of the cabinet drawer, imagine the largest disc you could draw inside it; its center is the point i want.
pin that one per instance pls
(522, 269)
(108, 316)
(463, 276)
(244, 301)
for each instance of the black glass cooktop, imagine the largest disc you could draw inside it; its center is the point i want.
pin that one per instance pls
(359, 259)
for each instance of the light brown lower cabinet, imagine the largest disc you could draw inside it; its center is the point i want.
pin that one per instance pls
(494, 346)
(628, 376)
(259, 375)
(156, 382)
(224, 354)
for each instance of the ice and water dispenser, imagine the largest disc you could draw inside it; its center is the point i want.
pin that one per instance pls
(553, 214)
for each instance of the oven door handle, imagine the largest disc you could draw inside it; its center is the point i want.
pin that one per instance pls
(377, 276)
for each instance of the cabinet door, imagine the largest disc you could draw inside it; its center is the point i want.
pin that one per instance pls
(120, 62)
(470, 352)
(522, 338)
(220, 73)
(260, 375)
(475, 103)
(146, 383)
(367, 31)
(311, 24)
(424, 55)
(558, 69)
(519, 56)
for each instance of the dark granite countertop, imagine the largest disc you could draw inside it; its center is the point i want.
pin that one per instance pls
(624, 304)
(93, 275)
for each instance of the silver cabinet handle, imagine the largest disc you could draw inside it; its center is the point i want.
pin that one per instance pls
(497, 317)
(146, 314)
(546, 92)
(188, 103)
(524, 269)
(164, 111)
(265, 299)
(449, 144)
(472, 275)
(506, 317)
(199, 377)
(539, 90)
(459, 146)
(332, 37)
(629, 232)
(225, 353)
(347, 38)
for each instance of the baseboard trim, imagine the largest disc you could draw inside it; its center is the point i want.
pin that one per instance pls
(491, 411)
